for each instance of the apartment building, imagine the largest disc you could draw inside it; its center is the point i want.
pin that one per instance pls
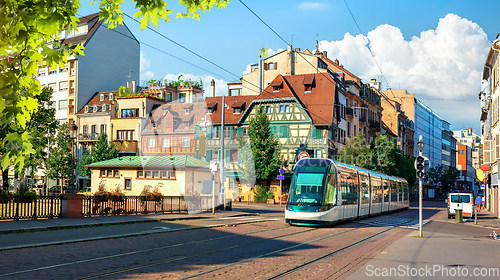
(112, 58)
(470, 138)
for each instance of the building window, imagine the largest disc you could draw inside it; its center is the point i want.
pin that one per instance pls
(186, 142)
(103, 173)
(355, 130)
(156, 174)
(103, 129)
(245, 131)
(63, 104)
(268, 109)
(186, 111)
(169, 96)
(216, 132)
(166, 142)
(234, 92)
(171, 174)
(140, 174)
(130, 113)
(148, 174)
(125, 135)
(233, 185)
(63, 85)
(182, 98)
(318, 154)
(209, 110)
(282, 109)
(228, 132)
(116, 173)
(151, 142)
(128, 184)
(276, 88)
(236, 110)
(283, 131)
(53, 71)
(287, 108)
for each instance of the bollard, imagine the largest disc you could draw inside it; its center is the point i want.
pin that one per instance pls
(248, 201)
(458, 216)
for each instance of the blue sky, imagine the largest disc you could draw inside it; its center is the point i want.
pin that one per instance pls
(434, 49)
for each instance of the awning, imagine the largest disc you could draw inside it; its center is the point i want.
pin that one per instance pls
(238, 104)
(276, 83)
(211, 104)
(484, 115)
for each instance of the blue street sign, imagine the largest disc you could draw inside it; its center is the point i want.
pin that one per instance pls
(281, 177)
(282, 171)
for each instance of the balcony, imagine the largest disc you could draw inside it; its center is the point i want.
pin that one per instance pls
(410, 142)
(126, 146)
(72, 90)
(349, 111)
(362, 119)
(88, 137)
(374, 125)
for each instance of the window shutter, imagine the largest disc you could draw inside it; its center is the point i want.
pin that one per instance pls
(197, 135)
(231, 132)
(276, 65)
(497, 147)
(219, 154)
(286, 131)
(274, 131)
(227, 155)
(209, 132)
(196, 156)
(239, 156)
(239, 131)
(265, 66)
(209, 155)
(487, 151)
(314, 132)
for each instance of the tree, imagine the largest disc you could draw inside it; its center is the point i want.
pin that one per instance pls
(356, 152)
(447, 177)
(99, 152)
(384, 154)
(246, 168)
(26, 39)
(265, 148)
(60, 157)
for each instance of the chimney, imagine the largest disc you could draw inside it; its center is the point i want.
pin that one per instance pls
(212, 87)
(133, 86)
(336, 61)
(324, 53)
(297, 49)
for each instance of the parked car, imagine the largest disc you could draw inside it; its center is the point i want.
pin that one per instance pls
(85, 191)
(463, 201)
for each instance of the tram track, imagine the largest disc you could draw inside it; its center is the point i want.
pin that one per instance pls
(234, 247)
(139, 251)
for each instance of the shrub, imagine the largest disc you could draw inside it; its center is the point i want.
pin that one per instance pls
(262, 193)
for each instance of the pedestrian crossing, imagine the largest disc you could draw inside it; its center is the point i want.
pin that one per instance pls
(393, 222)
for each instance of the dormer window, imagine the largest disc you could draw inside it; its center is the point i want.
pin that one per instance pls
(95, 108)
(98, 108)
(87, 109)
(276, 85)
(308, 83)
(105, 107)
(111, 96)
(186, 111)
(101, 98)
(209, 110)
(237, 110)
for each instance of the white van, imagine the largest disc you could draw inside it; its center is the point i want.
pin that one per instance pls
(464, 201)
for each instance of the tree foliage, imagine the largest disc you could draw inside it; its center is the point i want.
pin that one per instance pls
(356, 152)
(60, 156)
(27, 34)
(265, 148)
(246, 168)
(381, 155)
(99, 152)
(446, 176)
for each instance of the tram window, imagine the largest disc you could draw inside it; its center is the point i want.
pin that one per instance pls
(400, 191)
(376, 190)
(386, 191)
(405, 191)
(365, 189)
(331, 191)
(394, 191)
(308, 188)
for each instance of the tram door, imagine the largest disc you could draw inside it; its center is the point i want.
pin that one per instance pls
(349, 189)
(394, 195)
(364, 194)
(376, 195)
(386, 189)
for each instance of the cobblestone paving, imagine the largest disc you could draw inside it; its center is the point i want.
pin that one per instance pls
(181, 254)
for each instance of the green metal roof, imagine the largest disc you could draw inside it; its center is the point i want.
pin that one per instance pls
(151, 161)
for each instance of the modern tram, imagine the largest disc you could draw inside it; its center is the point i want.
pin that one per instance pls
(325, 191)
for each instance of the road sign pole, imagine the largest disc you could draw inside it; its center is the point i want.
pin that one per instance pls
(280, 192)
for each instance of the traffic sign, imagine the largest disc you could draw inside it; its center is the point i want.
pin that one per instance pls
(281, 177)
(282, 171)
(303, 155)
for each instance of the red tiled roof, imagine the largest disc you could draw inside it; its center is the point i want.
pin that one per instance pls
(95, 100)
(318, 103)
(186, 122)
(230, 117)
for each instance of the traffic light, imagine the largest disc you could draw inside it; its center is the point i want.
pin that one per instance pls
(420, 166)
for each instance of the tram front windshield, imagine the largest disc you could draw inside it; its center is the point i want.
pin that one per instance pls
(307, 188)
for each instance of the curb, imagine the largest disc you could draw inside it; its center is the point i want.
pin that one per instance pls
(84, 225)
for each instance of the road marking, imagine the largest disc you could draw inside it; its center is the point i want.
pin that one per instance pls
(396, 222)
(163, 228)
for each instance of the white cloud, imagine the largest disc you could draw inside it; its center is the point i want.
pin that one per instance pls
(147, 75)
(312, 5)
(248, 69)
(445, 63)
(220, 85)
(145, 63)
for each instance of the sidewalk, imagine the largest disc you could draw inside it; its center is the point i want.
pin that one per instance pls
(59, 223)
(449, 250)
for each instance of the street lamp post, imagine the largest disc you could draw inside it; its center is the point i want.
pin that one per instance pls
(72, 130)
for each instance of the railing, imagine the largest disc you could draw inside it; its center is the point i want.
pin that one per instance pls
(20, 208)
(132, 205)
(88, 137)
(362, 119)
(348, 111)
(374, 124)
